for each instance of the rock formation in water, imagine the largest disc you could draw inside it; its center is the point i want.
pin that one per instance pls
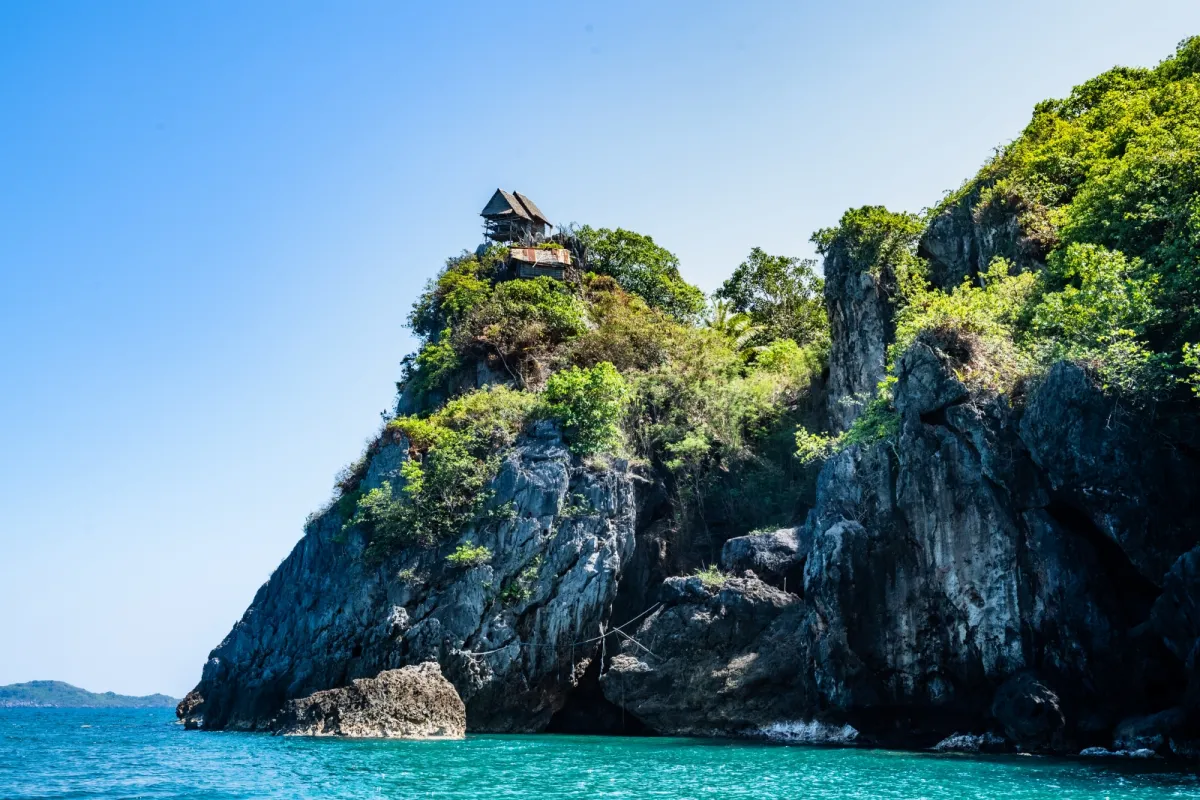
(1026, 572)
(1002, 570)
(1019, 571)
(327, 616)
(407, 703)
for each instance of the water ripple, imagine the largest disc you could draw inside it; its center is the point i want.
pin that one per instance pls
(49, 753)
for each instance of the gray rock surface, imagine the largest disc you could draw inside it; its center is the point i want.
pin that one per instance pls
(327, 617)
(1030, 712)
(413, 702)
(940, 569)
(924, 382)
(1151, 731)
(713, 661)
(774, 556)
(973, 743)
(1176, 616)
(861, 323)
(1109, 467)
(960, 242)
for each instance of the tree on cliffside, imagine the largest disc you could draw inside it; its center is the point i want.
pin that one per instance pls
(782, 295)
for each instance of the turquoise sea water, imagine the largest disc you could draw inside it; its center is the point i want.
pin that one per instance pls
(59, 753)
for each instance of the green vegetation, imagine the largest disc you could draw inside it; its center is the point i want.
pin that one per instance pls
(1191, 359)
(521, 589)
(975, 324)
(711, 578)
(466, 556)
(641, 267)
(875, 240)
(714, 402)
(56, 694)
(589, 403)
(1106, 184)
(780, 296)
(523, 325)
(1105, 188)
(624, 360)
(453, 456)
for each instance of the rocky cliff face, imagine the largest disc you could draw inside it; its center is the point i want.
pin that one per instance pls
(963, 238)
(1022, 574)
(861, 325)
(1002, 573)
(327, 617)
(955, 580)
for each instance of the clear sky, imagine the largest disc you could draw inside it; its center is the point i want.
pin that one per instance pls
(215, 215)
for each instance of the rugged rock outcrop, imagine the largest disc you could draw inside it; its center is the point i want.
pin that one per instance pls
(961, 241)
(714, 661)
(776, 557)
(954, 580)
(413, 702)
(503, 632)
(861, 325)
(1025, 571)
(1107, 466)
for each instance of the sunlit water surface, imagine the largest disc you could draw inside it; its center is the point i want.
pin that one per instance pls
(60, 753)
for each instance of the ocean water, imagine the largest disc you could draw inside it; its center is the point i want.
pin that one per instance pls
(59, 753)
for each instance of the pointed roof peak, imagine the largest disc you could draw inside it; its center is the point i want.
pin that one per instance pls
(512, 204)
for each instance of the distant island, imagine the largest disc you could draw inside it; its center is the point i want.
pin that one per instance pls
(56, 694)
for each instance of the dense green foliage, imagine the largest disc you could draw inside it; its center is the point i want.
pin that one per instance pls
(453, 456)
(1191, 359)
(875, 240)
(624, 360)
(641, 267)
(589, 403)
(1105, 188)
(1115, 168)
(780, 296)
(522, 325)
(980, 317)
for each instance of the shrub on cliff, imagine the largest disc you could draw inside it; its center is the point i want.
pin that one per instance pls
(1191, 359)
(467, 555)
(589, 403)
(453, 456)
(877, 241)
(642, 267)
(523, 324)
(986, 312)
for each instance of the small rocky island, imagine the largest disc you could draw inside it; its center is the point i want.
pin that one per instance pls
(940, 491)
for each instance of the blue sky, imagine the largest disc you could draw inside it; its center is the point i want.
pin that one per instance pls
(214, 217)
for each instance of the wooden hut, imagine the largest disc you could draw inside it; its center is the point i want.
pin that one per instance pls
(536, 262)
(513, 217)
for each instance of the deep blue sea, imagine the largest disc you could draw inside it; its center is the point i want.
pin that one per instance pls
(77, 753)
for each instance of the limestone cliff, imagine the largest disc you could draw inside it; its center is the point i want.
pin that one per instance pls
(1022, 570)
(942, 566)
(328, 616)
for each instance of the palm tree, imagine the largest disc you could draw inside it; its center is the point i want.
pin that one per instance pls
(733, 325)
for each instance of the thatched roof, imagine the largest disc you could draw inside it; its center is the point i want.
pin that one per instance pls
(504, 205)
(534, 212)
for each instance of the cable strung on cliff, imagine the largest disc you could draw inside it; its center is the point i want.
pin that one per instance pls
(573, 645)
